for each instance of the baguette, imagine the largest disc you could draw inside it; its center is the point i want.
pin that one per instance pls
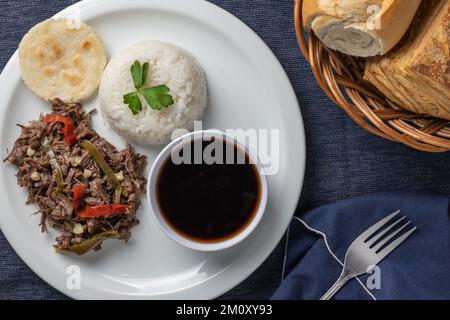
(351, 26)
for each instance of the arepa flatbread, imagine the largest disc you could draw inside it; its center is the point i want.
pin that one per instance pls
(60, 59)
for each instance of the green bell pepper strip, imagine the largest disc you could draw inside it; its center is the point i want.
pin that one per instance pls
(89, 244)
(98, 157)
(57, 173)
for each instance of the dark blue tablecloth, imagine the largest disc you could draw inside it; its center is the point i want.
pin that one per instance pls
(342, 159)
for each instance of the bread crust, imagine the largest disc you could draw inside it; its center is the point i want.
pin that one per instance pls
(311, 10)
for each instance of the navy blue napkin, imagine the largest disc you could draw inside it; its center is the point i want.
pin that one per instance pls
(418, 269)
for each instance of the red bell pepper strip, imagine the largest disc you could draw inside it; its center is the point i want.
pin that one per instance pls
(68, 129)
(104, 210)
(78, 193)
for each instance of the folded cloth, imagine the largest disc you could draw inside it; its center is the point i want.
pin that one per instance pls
(417, 269)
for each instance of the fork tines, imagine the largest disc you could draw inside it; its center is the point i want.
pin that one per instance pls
(388, 233)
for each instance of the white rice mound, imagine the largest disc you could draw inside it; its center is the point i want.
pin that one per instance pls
(169, 65)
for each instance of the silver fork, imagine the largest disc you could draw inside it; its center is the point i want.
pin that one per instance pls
(370, 248)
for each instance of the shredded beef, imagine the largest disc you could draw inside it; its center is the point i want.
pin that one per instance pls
(30, 154)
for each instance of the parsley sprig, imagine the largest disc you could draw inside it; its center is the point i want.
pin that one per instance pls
(157, 97)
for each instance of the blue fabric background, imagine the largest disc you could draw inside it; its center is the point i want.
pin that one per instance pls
(417, 269)
(342, 159)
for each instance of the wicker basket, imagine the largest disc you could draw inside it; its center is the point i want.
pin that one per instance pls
(341, 78)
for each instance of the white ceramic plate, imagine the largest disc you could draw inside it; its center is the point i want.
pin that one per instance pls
(248, 89)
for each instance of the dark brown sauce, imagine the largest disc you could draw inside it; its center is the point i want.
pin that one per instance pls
(209, 202)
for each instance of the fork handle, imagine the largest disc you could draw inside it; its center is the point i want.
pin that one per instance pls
(340, 282)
